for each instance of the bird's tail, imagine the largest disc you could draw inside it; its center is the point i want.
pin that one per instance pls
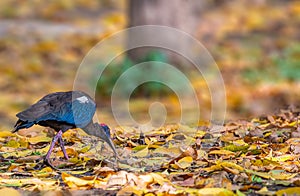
(16, 127)
(21, 124)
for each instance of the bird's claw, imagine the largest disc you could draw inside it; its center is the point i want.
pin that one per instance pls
(48, 163)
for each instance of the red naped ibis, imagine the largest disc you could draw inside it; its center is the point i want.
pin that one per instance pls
(63, 111)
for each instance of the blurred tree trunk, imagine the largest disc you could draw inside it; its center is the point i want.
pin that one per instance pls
(180, 14)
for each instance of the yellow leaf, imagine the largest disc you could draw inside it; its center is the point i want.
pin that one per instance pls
(71, 152)
(45, 46)
(200, 133)
(38, 139)
(21, 153)
(140, 147)
(221, 152)
(76, 172)
(215, 191)
(23, 143)
(235, 148)
(184, 162)
(282, 158)
(281, 175)
(221, 165)
(150, 194)
(288, 191)
(44, 173)
(85, 149)
(267, 134)
(169, 138)
(173, 151)
(150, 141)
(212, 168)
(9, 191)
(13, 144)
(292, 124)
(274, 174)
(24, 153)
(154, 146)
(125, 166)
(240, 142)
(260, 174)
(142, 153)
(35, 183)
(77, 160)
(74, 182)
(6, 134)
(130, 190)
(231, 165)
(159, 179)
(265, 191)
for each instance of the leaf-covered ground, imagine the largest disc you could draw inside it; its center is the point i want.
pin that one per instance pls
(255, 44)
(254, 157)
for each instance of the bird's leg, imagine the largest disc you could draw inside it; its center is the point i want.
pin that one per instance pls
(62, 146)
(54, 140)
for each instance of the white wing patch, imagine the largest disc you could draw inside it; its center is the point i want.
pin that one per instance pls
(83, 99)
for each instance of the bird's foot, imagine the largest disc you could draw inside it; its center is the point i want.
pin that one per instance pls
(46, 162)
(43, 163)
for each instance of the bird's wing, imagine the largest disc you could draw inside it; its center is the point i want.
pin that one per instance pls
(72, 107)
(34, 112)
(41, 110)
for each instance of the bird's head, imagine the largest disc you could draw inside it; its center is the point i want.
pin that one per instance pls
(106, 129)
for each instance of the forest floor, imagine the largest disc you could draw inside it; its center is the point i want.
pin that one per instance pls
(257, 157)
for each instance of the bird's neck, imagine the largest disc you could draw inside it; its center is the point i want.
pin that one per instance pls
(90, 129)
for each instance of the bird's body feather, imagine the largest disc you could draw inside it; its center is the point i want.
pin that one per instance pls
(63, 111)
(60, 111)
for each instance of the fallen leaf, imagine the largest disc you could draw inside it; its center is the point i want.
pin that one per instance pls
(172, 152)
(288, 191)
(215, 191)
(74, 182)
(9, 191)
(38, 139)
(142, 153)
(4, 134)
(44, 173)
(221, 152)
(31, 183)
(265, 191)
(185, 162)
(130, 190)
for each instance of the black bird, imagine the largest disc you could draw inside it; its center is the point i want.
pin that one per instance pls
(63, 111)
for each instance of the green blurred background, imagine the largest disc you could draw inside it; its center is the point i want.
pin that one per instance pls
(255, 44)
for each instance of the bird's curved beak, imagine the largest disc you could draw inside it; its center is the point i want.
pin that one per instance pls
(96, 130)
(107, 139)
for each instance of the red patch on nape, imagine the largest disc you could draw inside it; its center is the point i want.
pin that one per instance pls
(102, 124)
